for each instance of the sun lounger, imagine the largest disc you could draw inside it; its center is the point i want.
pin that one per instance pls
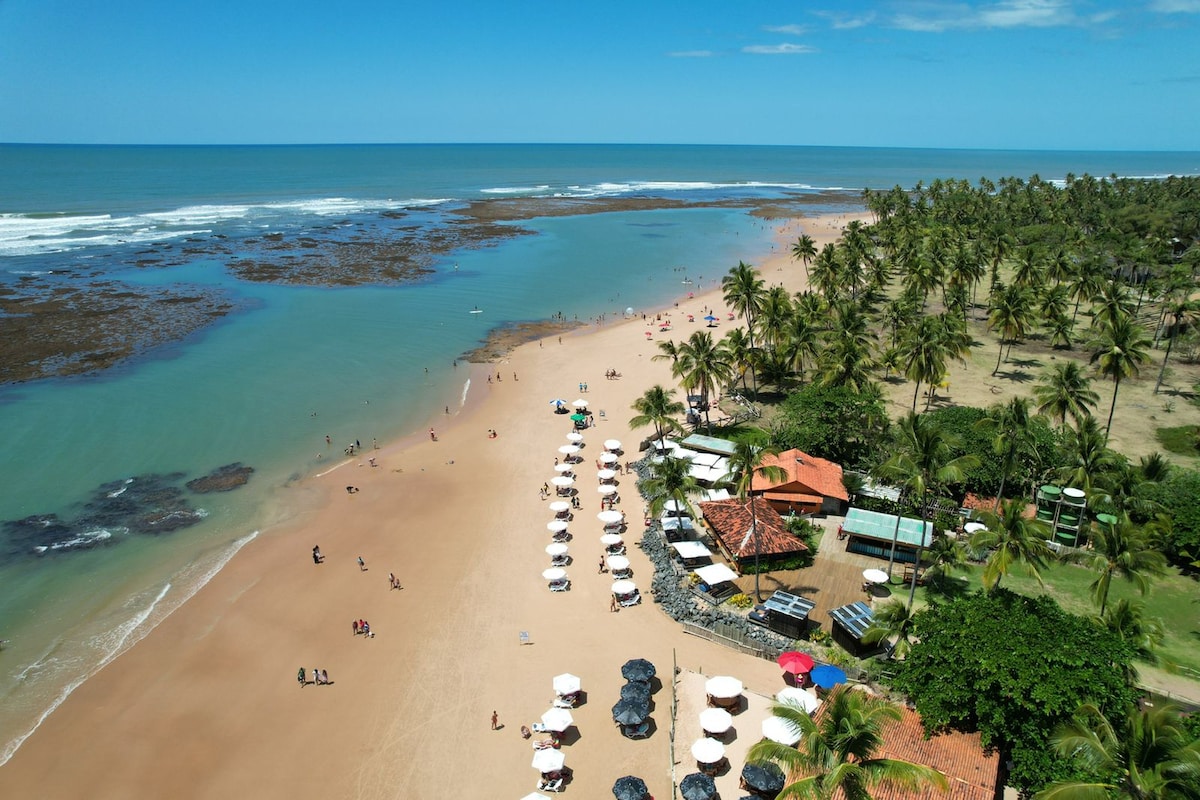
(564, 702)
(551, 786)
(560, 586)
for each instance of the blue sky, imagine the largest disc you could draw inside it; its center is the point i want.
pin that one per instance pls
(1030, 74)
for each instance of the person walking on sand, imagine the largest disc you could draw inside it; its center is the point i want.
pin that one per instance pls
(324, 678)
(495, 721)
(601, 564)
(362, 565)
(432, 435)
(612, 603)
(300, 677)
(393, 581)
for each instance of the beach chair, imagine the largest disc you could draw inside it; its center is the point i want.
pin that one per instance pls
(631, 600)
(551, 786)
(560, 586)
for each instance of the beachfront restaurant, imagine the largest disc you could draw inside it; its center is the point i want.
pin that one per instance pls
(741, 536)
(870, 534)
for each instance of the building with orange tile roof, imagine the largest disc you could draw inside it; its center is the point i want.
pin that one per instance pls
(810, 485)
(731, 524)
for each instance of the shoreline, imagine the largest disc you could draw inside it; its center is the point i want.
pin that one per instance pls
(220, 607)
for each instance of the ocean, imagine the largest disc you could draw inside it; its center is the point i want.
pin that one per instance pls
(84, 576)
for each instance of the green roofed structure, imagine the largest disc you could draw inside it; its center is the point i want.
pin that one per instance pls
(870, 533)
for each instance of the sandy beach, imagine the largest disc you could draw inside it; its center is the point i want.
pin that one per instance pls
(208, 705)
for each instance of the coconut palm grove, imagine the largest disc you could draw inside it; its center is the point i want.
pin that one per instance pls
(980, 347)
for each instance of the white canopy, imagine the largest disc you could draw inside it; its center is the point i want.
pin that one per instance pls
(974, 527)
(549, 760)
(556, 525)
(717, 494)
(618, 562)
(554, 574)
(708, 751)
(612, 444)
(606, 474)
(562, 480)
(564, 467)
(798, 697)
(716, 573)
(606, 489)
(574, 437)
(609, 458)
(567, 683)
(691, 549)
(580, 403)
(556, 549)
(609, 517)
(715, 720)
(609, 539)
(706, 459)
(623, 587)
(560, 506)
(778, 730)
(557, 720)
(723, 686)
(536, 795)
(674, 508)
(680, 523)
(569, 449)
(875, 576)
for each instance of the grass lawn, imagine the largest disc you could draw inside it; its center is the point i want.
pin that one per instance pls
(1181, 440)
(1174, 599)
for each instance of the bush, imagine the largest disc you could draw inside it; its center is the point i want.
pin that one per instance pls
(742, 601)
(984, 479)
(832, 422)
(1177, 495)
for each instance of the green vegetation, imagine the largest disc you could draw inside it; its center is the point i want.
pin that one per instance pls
(1184, 439)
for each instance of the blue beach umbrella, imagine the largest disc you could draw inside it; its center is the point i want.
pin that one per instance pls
(827, 676)
(710, 318)
(558, 403)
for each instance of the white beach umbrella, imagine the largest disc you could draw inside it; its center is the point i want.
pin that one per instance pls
(580, 403)
(567, 683)
(606, 489)
(623, 587)
(708, 751)
(554, 574)
(563, 467)
(612, 444)
(556, 549)
(562, 480)
(609, 539)
(723, 686)
(875, 576)
(715, 720)
(778, 730)
(974, 527)
(559, 506)
(609, 517)
(549, 760)
(574, 437)
(569, 449)
(798, 697)
(606, 474)
(618, 562)
(556, 525)
(536, 795)
(609, 458)
(557, 720)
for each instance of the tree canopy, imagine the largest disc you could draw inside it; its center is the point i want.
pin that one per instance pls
(1015, 669)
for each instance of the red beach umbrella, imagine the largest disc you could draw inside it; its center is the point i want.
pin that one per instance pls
(795, 663)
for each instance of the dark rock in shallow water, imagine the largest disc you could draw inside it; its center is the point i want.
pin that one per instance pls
(46, 533)
(222, 479)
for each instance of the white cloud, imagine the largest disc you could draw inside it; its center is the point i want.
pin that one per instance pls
(1176, 6)
(842, 22)
(789, 30)
(938, 17)
(787, 48)
(692, 54)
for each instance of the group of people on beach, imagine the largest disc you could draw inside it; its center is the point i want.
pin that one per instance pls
(319, 677)
(363, 627)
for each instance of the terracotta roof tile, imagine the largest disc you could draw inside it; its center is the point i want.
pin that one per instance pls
(730, 521)
(971, 772)
(805, 474)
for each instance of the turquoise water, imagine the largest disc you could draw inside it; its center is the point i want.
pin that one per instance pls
(264, 386)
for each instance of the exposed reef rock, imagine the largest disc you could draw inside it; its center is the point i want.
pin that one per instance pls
(222, 479)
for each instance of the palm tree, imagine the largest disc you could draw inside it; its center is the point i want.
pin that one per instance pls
(1147, 754)
(655, 407)
(805, 250)
(743, 358)
(670, 479)
(922, 462)
(1119, 352)
(836, 755)
(743, 291)
(1128, 621)
(1186, 313)
(744, 463)
(1016, 539)
(1010, 315)
(1122, 551)
(1065, 391)
(923, 352)
(892, 622)
(703, 366)
(1011, 427)
(1088, 461)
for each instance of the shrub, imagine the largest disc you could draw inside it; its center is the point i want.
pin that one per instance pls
(741, 600)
